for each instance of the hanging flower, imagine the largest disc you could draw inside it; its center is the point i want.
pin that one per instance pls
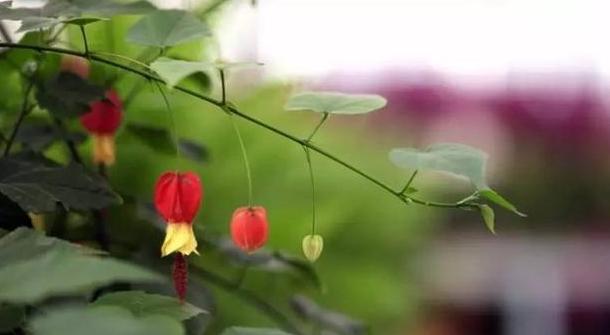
(102, 121)
(312, 247)
(249, 228)
(177, 199)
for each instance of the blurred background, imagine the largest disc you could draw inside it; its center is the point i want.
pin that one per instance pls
(524, 80)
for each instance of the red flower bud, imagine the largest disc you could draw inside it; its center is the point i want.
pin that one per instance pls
(249, 228)
(102, 121)
(177, 199)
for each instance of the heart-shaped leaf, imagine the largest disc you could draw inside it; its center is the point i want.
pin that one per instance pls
(144, 304)
(456, 159)
(68, 95)
(336, 103)
(166, 28)
(39, 188)
(172, 71)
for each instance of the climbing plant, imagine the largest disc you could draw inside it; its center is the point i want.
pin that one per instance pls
(54, 101)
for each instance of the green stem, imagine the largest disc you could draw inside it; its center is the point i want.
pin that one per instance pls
(246, 117)
(172, 121)
(313, 191)
(244, 155)
(82, 31)
(223, 88)
(315, 130)
(24, 111)
(404, 189)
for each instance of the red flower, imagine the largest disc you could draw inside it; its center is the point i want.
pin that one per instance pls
(177, 199)
(249, 228)
(102, 121)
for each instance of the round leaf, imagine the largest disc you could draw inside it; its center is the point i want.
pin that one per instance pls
(335, 103)
(166, 28)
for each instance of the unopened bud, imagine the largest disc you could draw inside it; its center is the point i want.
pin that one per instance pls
(312, 247)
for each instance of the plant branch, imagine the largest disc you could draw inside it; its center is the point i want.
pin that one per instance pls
(404, 189)
(251, 119)
(69, 142)
(249, 297)
(82, 31)
(25, 109)
(315, 130)
(223, 87)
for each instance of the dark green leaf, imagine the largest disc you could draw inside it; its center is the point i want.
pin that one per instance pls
(489, 217)
(22, 244)
(38, 188)
(457, 159)
(144, 304)
(159, 139)
(253, 331)
(103, 321)
(68, 95)
(38, 137)
(166, 28)
(11, 317)
(336, 103)
(11, 215)
(496, 198)
(310, 311)
(60, 272)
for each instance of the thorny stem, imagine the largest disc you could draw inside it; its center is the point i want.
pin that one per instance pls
(25, 109)
(315, 130)
(244, 155)
(251, 119)
(313, 191)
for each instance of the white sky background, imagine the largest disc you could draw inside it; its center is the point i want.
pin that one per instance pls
(459, 37)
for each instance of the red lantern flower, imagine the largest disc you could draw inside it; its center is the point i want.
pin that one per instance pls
(249, 228)
(102, 122)
(177, 199)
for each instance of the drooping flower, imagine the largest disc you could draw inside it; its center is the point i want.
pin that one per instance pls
(312, 247)
(102, 121)
(177, 199)
(249, 228)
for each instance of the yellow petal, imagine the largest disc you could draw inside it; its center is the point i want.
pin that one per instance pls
(103, 149)
(179, 237)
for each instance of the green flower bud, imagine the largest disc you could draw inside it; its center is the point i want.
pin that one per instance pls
(312, 247)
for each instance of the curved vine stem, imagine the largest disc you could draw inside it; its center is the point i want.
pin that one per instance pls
(251, 119)
(172, 120)
(244, 155)
(25, 109)
(313, 191)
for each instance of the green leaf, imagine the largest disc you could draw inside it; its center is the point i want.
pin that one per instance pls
(11, 317)
(160, 140)
(60, 272)
(336, 103)
(489, 217)
(36, 23)
(253, 331)
(496, 198)
(172, 71)
(326, 319)
(166, 28)
(38, 137)
(103, 321)
(68, 95)
(23, 243)
(456, 159)
(108, 8)
(144, 304)
(38, 188)
(83, 21)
